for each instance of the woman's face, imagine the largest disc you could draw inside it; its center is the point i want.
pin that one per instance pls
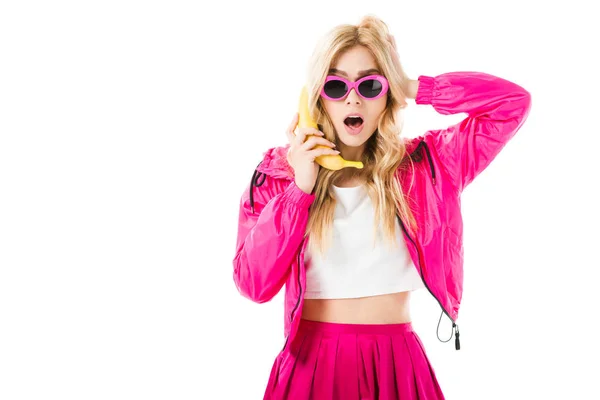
(353, 64)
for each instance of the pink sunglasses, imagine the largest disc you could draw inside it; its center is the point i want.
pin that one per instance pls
(369, 87)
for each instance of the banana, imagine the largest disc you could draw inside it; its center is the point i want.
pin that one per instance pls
(329, 161)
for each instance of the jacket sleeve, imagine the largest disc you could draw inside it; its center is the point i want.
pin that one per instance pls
(496, 110)
(270, 231)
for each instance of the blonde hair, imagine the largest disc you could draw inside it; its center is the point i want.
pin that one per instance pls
(384, 151)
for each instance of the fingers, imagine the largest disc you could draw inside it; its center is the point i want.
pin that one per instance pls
(293, 123)
(298, 141)
(300, 136)
(290, 130)
(315, 140)
(290, 136)
(321, 152)
(304, 132)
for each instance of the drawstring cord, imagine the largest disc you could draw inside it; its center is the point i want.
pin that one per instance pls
(455, 333)
(254, 182)
(417, 156)
(430, 161)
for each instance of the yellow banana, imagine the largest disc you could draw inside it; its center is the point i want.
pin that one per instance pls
(329, 161)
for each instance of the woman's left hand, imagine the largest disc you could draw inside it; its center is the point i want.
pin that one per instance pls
(412, 86)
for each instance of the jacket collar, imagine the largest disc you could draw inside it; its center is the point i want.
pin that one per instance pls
(275, 164)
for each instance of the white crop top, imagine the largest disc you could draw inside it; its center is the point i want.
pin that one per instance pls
(352, 267)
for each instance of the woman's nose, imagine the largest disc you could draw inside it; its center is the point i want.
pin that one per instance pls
(353, 97)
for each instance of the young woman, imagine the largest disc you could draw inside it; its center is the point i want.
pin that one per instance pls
(350, 245)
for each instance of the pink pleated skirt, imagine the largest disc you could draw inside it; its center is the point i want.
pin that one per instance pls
(328, 361)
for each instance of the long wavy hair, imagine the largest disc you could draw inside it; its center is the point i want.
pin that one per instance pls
(384, 151)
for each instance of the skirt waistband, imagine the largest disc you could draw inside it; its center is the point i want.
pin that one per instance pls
(335, 327)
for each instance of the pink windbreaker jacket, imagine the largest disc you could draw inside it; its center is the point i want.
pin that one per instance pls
(273, 211)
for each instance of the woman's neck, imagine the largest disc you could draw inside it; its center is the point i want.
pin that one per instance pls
(349, 179)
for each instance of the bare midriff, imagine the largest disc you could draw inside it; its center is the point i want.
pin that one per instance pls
(383, 309)
(390, 308)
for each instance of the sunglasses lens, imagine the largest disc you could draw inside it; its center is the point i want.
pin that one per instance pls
(370, 88)
(335, 89)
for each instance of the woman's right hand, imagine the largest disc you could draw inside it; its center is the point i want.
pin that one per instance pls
(301, 155)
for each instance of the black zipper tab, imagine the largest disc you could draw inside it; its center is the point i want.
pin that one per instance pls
(457, 334)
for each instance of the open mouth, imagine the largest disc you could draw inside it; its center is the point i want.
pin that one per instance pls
(353, 122)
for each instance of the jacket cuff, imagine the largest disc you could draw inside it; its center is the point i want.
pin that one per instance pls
(425, 91)
(293, 194)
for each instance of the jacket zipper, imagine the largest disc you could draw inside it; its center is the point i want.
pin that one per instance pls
(432, 169)
(454, 325)
(299, 297)
(433, 181)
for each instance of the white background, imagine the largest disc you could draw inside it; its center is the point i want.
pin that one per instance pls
(130, 129)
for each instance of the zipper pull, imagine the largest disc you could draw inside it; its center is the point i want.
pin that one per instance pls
(457, 334)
